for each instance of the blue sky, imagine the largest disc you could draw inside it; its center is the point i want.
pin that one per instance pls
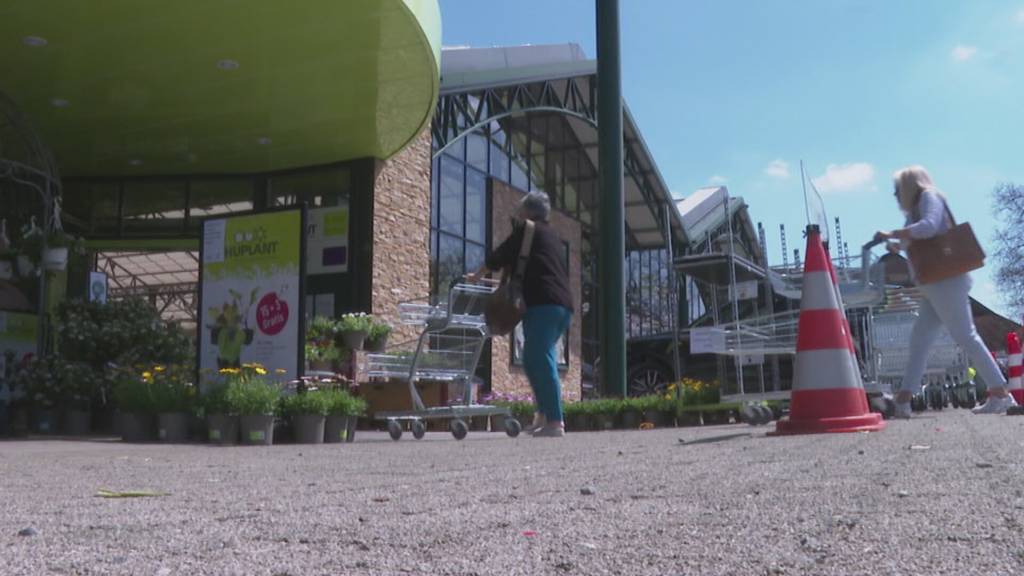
(739, 91)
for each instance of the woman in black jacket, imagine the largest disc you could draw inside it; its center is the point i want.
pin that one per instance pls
(548, 307)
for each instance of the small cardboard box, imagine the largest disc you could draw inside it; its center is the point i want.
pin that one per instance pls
(393, 395)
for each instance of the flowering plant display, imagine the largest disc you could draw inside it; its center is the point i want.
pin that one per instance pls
(355, 322)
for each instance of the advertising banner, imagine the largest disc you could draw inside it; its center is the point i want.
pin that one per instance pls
(251, 293)
(18, 340)
(327, 240)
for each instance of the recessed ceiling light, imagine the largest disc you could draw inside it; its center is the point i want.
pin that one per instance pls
(60, 102)
(34, 41)
(263, 141)
(135, 162)
(227, 64)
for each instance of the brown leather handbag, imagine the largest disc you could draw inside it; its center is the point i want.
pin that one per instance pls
(952, 253)
(505, 307)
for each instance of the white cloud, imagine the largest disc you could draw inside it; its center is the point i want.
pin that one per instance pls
(1019, 17)
(717, 180)
(839, 178)
(778, 169)
(963, 53)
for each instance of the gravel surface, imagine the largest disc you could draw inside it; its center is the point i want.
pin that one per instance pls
(940, 494)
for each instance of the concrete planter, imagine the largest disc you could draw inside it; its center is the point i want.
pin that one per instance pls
(77, 422)
(222, 429)
(379, 345)
(172, 427)
(308, 428)
(256, 429)
(339, 429)
(136, 427)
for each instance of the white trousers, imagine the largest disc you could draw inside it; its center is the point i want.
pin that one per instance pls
(946, 303)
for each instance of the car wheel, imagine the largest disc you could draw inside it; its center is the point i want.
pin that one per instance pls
(647, 378)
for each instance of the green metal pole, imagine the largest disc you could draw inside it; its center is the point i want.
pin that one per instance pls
(612, 247)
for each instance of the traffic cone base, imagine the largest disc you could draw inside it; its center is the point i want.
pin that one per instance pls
(831, 411)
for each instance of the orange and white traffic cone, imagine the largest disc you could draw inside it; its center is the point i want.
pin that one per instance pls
(828, 395)
(1015, 367)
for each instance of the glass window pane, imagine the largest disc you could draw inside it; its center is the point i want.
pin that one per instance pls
(315, 188)
(452, 195)
(476, 151)
(457, 149)
(450, 262)
(476, 206)
(519, 179)
(475, 256)
(499, 160)
(214, 197)
(154, 208)
(95, 204)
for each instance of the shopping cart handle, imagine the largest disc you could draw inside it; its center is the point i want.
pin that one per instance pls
(872, 244)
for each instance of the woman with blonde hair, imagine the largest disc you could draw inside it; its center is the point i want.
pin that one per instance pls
(945, 303)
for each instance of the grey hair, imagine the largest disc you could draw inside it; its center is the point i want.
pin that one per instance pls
(535, 206)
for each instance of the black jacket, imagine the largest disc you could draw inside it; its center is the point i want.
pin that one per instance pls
(546, 280)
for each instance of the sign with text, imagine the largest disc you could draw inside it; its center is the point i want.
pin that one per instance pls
(251, 291)
(327, 249)
(707, 340)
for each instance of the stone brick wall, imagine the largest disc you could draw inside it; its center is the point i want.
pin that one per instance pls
(401, 233)
(504, 376)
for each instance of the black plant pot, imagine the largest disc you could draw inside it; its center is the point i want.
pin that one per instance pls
(222, 429)
(77, 422)
(256, 429)
(339, 429)
(308, 428)
(604, 421)
(44, 421)
(137, 427)
(172, 427)
(631, 419)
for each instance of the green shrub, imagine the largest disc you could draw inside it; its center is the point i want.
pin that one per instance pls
(215, 400)
(342, 403)
(316, 402)
(173, 390)
(134, 394)
(255, 397)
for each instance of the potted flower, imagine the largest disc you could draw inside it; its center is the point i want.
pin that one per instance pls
(221, 419)
(41, 381)
(133, 394)
(377, 336)
(322, 357)
(605, 413)
(632, 414)
(58, 244)
(7, 259)
(353, 328)
(254, 398)
(307, 411)
(173, 398)
(343, 412)
(650, 408)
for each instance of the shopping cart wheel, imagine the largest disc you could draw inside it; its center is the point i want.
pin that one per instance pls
(395, 430)
(459, 429)
(512, 427)
(419, 429)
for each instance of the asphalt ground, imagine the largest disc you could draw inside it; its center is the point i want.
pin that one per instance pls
(940, 494)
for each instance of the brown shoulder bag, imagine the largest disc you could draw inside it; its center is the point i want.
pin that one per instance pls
(952, 253)
(505, 307)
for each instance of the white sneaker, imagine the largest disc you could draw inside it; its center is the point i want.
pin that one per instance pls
(550, 431)
(996, 405)
(901, 410)
(539, 420)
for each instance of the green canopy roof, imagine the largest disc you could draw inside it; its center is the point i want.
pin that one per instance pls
(124, 87)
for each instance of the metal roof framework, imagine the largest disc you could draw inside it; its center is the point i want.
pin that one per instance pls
(469, 101)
